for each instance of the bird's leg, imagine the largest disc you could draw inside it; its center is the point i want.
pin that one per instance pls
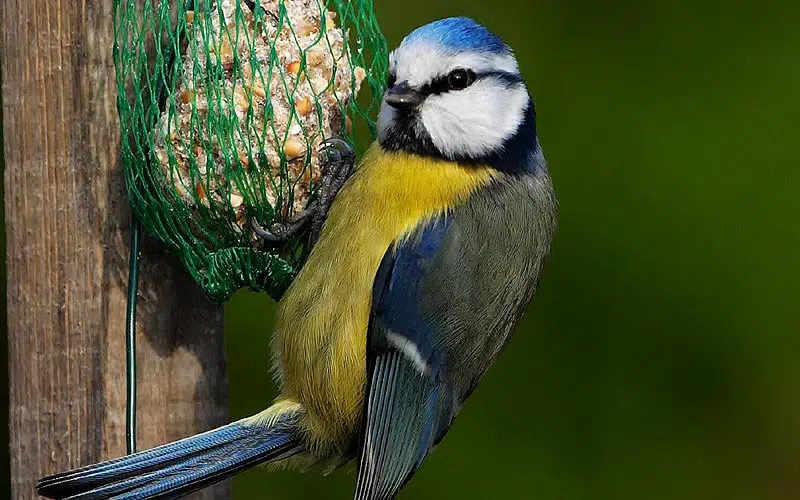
(336, 169)
(337, 166)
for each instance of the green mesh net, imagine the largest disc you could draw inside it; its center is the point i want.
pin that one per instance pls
(224, 105)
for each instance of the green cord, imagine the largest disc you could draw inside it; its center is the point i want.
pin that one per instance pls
(130, 336)
(135, 258)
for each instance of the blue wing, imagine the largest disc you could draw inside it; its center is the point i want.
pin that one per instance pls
(445, 301)
(405, 363)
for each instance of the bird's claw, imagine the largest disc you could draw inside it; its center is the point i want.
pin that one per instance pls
(337, 150)
(339, 158)
(280, 232)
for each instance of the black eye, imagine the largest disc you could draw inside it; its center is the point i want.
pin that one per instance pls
(392, 80)
(460, 79)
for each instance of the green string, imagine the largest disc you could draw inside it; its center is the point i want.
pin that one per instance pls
(130, 336)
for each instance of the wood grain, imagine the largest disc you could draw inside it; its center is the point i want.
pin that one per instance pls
(67, 223)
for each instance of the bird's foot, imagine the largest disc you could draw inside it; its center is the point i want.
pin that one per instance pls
(337, 166)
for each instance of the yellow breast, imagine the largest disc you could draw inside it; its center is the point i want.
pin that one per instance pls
(319, 340)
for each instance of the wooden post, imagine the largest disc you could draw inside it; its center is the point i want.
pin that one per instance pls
(67, 221)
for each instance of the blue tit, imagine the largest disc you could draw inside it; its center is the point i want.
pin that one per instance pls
(427, 260)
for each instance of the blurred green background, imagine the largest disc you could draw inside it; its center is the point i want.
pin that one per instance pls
(661, 356)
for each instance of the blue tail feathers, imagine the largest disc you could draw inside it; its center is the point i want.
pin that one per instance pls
(177, 469)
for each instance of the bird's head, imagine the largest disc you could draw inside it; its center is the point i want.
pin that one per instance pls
(455, 92)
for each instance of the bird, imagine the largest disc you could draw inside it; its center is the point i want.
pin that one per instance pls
(427, 259)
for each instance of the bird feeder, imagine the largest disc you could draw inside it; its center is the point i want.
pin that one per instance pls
(224, 106)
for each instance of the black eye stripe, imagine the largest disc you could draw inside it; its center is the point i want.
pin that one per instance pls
(510, 79)
(440, 84)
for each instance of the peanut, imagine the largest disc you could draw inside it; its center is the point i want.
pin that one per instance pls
(259, 90)
(242, 101)
(315, 57)
(187, 96)
(293, 148)
(303, 106)
(306, 28)
(360, 74)
(293, 67)
(244, 160)
(236, 200)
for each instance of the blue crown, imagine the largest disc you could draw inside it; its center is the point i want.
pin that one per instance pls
(460, 34)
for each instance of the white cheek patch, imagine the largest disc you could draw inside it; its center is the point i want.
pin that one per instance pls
(475, 121)
(472, 122)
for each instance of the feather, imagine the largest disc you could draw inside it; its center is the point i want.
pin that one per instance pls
(176, 469)
(403, 386)
(398, 414)
(444, 302)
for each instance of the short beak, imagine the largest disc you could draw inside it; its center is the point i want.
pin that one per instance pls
(403, 96)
